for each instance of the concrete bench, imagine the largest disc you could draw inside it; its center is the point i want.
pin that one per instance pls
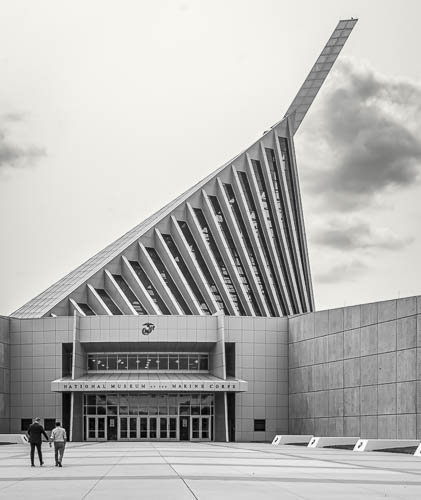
(282, 439)
(384, 444)
(323, 442)
(13, 438)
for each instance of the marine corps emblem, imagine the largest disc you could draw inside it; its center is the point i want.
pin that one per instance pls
(148, 328)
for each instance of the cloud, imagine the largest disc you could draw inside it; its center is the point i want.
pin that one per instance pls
(356, 235)
(12, 117)
(343, 272)
(11, 154)
(365, 138)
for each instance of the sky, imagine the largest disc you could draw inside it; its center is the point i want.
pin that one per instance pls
(108, 110)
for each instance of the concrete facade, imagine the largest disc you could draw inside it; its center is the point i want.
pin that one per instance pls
(258, 354)
(4, 374)
(353, 371)
(356, 371)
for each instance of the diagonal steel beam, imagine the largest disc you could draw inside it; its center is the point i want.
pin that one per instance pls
(315, 79)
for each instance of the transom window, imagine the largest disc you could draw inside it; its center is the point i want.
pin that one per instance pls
(149, 404)
(142, 361)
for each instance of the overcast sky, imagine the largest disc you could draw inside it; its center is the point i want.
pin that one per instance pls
(110, 109)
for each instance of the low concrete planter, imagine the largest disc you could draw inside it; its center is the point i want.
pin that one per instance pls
(323, 442)
(282, 439)
(384, 444)
(13, 438)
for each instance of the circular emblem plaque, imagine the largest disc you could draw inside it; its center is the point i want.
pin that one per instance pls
(147, 328)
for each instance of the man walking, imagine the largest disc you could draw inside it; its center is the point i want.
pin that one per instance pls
(35, 432)
(58, 437)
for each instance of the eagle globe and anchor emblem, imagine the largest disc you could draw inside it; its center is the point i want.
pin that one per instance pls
(147, 328)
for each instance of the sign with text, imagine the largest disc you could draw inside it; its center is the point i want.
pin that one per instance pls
(143, 386)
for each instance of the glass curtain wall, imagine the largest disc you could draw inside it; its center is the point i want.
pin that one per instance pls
(286, 272)
(172, 362)
(237, 261)
(261, 238)
(160, 304)
(202, 265)
(218, 257)
(244, 234)
(186, 273)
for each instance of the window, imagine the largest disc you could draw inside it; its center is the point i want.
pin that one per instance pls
(287, 166)
(270, 153)
(236, 258)
(168, 280)
(260, 236)
(204, 362)
(152, 404)
(219, 260)
(128, 292)
(244, 234)
(152, 361)
(271, 224)
(86, 309)
(201, 263)
(25, 423)
(149, 287)
(49, 424)
(108, 301)
(260, 425)
(183, 268)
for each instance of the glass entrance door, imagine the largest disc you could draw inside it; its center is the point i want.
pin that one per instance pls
(206, 434)
(167, 427)
(200, 428)
(148, 428)
(148, 416)
(157, 427)
(128, 428)
(96, 429)
(184, 428)
(112, 428)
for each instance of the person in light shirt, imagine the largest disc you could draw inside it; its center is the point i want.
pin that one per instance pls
(58, 437)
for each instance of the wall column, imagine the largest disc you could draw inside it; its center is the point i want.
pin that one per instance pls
(218, 368)
(4, 375)
(78, 369)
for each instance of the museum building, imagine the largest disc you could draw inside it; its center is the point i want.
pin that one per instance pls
(184, 328)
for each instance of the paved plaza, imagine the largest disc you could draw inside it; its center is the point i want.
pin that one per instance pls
(207, 471)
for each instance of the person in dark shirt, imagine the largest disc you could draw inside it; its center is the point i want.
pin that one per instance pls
(35, 432)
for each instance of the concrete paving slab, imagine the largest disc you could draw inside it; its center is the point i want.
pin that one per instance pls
(208, 471)
(240, 490)
(156, 489)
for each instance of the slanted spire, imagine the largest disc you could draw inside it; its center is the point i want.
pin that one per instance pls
(235, 242)
(315, 79)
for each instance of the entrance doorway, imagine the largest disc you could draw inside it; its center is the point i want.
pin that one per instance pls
(112, 428)
(200, 429)
(184, 428)
(128, 428)
(167, 427)
(182, 416)
(148, 428)
(95, 429)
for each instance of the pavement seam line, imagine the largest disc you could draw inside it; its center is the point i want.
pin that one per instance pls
(101, 478)
(23, 479)
(181, 478)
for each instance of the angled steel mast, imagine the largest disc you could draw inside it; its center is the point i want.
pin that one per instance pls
(315, 79)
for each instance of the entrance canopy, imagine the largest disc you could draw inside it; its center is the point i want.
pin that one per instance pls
(156, 382)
